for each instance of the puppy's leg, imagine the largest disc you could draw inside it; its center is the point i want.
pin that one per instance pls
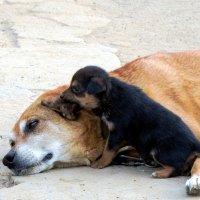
(106, 157)
(166, 172)
(110, 151)
(105, 160)
(168, 161)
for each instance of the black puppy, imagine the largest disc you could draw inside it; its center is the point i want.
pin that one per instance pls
(133, 119)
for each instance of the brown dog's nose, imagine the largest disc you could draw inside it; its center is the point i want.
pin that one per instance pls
(9, 158)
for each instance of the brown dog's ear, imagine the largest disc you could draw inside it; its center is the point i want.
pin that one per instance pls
(96, 85)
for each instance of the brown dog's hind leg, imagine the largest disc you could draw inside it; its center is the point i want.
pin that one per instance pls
(166, 172)
(193, 184)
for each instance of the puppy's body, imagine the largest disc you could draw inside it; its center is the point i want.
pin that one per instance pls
(149, 127)
(133, 119)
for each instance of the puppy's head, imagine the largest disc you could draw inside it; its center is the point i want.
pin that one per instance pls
(68, 110)
(88, 86)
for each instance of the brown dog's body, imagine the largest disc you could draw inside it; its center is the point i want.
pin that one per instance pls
(170, 79)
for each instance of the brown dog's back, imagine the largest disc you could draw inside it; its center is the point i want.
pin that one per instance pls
(170, 79)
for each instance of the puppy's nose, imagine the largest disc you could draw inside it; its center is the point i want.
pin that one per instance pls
(9, 158)
(62, 96)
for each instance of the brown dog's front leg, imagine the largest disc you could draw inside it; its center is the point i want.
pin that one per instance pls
(193, 184)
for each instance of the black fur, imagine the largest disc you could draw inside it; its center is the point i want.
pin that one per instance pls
(139, 121)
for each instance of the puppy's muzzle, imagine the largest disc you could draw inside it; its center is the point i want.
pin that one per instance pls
(62, 96)
(67, 97)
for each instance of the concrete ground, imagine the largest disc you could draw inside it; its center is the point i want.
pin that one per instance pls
(42, 43)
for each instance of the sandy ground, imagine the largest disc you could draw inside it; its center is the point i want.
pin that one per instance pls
(42, 42)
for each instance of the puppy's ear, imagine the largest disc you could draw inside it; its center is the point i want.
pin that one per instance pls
(96, 85)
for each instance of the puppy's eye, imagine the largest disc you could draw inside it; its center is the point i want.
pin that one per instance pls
(77, 89)
(31, 125)
(12, 143)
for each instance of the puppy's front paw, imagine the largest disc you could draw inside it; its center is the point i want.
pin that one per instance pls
(98, 164)
(163, 173)
(154, 175)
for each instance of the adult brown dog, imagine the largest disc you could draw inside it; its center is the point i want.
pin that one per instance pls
(42, 139)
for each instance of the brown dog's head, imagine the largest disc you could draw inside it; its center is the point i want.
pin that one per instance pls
(68, 110)
(41, 139)
(88, 86)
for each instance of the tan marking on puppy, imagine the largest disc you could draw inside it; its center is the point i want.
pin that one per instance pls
(106, 158)
(87, 101)
(74, 83)
(163, 173)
